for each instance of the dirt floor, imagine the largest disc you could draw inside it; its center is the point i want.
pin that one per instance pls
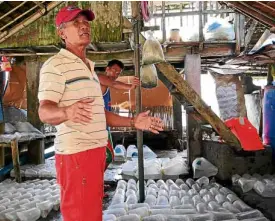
(265, 205)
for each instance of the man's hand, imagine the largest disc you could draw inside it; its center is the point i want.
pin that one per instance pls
(135, 82)
(144, 122)
(80, 112)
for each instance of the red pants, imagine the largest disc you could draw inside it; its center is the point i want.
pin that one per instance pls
(81, 182)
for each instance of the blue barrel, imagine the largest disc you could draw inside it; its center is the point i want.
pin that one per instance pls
(269, 117)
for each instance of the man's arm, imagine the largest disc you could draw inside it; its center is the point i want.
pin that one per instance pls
(50, 113)
(79, 112)
(114, 120)
(104, 80)
(141, 122)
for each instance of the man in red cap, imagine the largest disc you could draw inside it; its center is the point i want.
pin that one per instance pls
(70, 98)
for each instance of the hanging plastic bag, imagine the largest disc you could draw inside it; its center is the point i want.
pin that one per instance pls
(149, 76)
(218, 29)
(202, 167)
(152, 51)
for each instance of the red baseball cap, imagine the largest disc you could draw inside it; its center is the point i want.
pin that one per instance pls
(68, 13)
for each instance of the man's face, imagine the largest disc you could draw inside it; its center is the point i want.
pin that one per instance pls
(113, 72)
(77, 31)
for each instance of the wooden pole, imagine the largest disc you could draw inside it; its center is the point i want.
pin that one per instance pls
(192, 71)
(194, 99)
(36, 147)
(238, 34)
(2, 157)
(15, 160)
(200, 23)
(177, 117)
(163, 22)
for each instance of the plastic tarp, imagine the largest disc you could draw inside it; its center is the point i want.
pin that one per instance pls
(24, 131)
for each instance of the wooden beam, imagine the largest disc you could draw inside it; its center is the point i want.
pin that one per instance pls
(192, 71)
(237, 33)
(125, 54)
(200, 23)
(205, 19)
(194, 99)
(174, 52)
(15, 160)
(40, 5)
(251, 13)
(177, 117)
(163, 26)
(2, 157)
(257, 11)
(28, 21)
(135, 9)
(186, 13)
(128, 25)
(35, 148)
(249, 34)
(242, 29)
(266, 6)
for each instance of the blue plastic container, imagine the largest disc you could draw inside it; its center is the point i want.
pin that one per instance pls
(269, 117)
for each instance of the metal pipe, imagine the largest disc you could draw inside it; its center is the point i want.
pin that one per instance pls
(137, 28)
(18, 6)
(23, 24)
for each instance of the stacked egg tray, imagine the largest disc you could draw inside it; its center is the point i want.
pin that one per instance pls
(28, 201)
(178, 201)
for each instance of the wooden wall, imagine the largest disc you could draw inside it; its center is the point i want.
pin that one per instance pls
(158, 96)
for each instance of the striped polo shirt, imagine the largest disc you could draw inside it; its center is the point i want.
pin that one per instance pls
(65, 79)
